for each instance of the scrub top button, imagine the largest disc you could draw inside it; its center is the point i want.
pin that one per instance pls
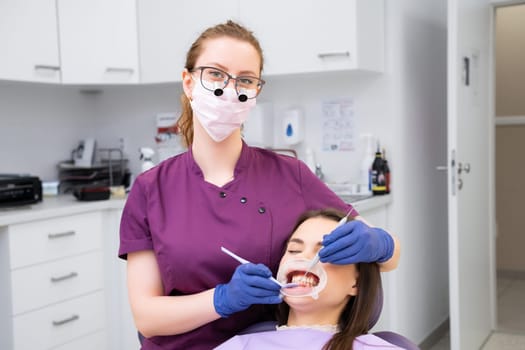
(262, 210)
(222, 194)
(243, 200)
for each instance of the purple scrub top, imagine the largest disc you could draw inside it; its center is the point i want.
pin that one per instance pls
(185, 220)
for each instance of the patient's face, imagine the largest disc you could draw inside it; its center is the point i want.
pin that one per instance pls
(341, 279)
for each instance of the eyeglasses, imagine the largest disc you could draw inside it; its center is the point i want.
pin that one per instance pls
(215, 79)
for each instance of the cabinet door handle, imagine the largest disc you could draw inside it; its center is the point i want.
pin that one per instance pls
(64, 277)
(66, 320)
(60, 234)
(334, 54)
(46, 67)
(119, 70)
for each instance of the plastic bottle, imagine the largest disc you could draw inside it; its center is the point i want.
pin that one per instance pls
(146, 155)
(366, 165)
(378, 173)
(310, 159)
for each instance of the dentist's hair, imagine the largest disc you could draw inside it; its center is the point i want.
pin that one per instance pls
(357, 314)
(229, 29)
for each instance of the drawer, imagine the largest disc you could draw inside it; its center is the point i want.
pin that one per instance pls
(96, 341)
(58, 324)
(39, 241)
(40, 285)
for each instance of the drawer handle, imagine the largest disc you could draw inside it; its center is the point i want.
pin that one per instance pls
(60, 234)
(334, 54)
(120, 70)
(65, 277)
(66, 320)
(46, 67)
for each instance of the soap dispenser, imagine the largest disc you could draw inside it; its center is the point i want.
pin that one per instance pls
(293, 126)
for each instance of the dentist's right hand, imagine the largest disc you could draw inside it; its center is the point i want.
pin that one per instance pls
(249, 285)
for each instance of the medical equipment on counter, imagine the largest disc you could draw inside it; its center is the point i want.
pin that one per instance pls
(315, 260)
(244, 261)
(311, 285)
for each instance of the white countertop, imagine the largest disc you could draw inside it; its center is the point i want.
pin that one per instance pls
(67, 205)
(55, 206)
(369, 203)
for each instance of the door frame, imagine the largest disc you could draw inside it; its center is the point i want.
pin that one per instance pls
(492, 157)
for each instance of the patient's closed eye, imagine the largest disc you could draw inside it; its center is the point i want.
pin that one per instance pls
(295, 247)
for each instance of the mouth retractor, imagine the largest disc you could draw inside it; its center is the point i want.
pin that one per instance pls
(311, 284)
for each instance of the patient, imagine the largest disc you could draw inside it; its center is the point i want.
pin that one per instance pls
(330, 317)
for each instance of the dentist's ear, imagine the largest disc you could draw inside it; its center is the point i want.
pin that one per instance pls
(187, 83)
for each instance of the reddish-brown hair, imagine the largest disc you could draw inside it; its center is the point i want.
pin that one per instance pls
(229, 29)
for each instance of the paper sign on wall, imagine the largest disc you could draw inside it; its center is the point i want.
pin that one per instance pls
(338, 125)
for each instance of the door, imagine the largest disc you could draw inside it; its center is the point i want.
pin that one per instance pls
(469, 148)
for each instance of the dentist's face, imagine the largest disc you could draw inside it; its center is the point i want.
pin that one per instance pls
(233, 56)
(341, 279)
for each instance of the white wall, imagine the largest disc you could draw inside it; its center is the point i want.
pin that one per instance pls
(40, 125)
(405, 107)
(417, 60)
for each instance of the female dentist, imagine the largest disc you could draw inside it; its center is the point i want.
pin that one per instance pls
(221, 192)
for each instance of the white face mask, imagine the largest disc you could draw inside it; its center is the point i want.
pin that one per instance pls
(219, 115)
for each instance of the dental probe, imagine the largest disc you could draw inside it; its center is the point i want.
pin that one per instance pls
(244, 261)
(315, 260)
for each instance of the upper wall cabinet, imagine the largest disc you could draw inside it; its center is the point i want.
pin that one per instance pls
(98, 41)
(297, 36)
(29, 41)
(167, 28)
(305, 36)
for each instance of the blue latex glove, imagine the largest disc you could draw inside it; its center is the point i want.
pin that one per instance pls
(249, 285)
(356, 242)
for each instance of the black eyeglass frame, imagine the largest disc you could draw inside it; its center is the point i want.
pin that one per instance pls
(230, 76)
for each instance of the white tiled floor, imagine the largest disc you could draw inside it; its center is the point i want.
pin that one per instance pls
(511, 319)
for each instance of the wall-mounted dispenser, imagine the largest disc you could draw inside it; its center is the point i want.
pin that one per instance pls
(293, 126)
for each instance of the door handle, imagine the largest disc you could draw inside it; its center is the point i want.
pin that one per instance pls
(463, 167)
(442, 167)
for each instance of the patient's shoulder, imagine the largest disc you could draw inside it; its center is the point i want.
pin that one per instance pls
(370, 341)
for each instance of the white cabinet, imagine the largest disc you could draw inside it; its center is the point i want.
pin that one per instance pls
(305, 36)
(52, 277)
(98, 41)
(297, 36)
(167, 29)
(29, 41)
(121, 328)
(69, 41)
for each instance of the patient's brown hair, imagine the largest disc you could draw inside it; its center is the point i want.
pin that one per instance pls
(355, 317)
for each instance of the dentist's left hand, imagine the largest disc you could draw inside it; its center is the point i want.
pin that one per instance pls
(356, 242)
(250, 284)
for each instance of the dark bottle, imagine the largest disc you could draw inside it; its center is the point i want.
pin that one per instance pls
(387, 172)
(378, 174)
